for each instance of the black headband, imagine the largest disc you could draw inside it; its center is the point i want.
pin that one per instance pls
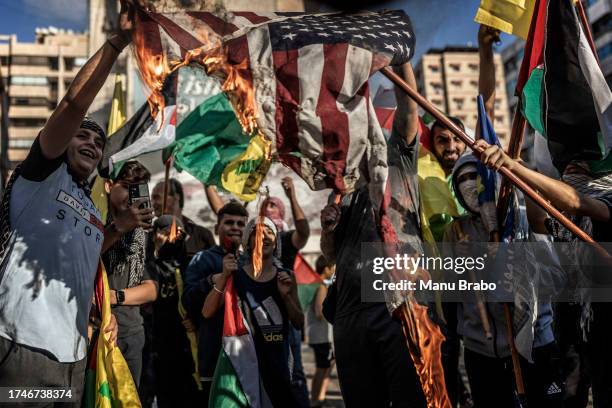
(89, 124)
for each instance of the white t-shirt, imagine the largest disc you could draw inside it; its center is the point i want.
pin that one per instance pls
(46, 284)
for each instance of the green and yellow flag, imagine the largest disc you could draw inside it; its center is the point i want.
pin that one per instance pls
(108, 381)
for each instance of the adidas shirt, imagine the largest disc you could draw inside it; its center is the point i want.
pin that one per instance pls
(47, 278)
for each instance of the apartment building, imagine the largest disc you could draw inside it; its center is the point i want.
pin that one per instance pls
(37, 75)
(449, 79)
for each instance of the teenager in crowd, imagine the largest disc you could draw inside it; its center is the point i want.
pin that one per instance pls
(125, 261)
(270, 304)
(319, 335)
(203, 270)
(173, 363)
(51, 237)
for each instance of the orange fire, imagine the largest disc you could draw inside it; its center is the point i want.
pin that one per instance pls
(173, 231)
(154, 69)
(424, 343)
(236, 83)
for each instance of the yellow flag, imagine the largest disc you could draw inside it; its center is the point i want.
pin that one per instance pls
(109, 383)
(244, 175)
(510, 16)
(435, 197)
(115, 121)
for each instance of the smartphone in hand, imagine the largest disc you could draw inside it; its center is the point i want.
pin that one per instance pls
(138, 192)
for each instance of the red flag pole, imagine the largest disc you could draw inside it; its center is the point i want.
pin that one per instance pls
(587, 29)
(531, 193)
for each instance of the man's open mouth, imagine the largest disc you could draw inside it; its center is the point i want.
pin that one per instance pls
(88, 153)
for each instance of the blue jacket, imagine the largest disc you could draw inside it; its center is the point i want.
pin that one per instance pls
(210, 331)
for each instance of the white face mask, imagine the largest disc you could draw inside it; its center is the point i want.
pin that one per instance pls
(469, 192)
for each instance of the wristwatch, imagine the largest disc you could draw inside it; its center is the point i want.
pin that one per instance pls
(120, 297)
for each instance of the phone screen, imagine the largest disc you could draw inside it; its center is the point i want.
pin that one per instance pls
(138, 191)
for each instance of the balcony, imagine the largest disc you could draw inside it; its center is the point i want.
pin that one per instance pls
(29, 91)
(23, 132)
(597, 10)
(29, 112)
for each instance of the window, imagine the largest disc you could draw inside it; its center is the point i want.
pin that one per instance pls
(456, 82)
(33, 101)
(20, 143)
(604, 51)
(433, 68)
(27, 122)
(28, 80)
(458, 103)
(455, 67)
(499, 119)
(474, 84)
(473, 67)
(602, 26)
(30, 60)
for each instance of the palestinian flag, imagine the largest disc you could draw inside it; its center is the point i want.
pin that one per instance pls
(564, 95)
(308, 281)
(236, 381)
(142, 133)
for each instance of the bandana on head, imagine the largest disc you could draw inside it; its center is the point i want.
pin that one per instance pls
(279, 220)
(90, 124)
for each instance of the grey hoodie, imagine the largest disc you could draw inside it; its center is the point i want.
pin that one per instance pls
(469, 323)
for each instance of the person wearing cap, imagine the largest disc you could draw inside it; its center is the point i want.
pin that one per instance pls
(270, 305)
(51, 237)
(487, 360)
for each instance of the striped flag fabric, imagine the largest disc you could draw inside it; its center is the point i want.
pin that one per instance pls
(564, 94)
(236, 382)
(309, 75)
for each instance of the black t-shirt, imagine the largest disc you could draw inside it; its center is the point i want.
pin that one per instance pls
(602, 231)
(288, 250)
(358, 225)
(170, 342)
(267, 316)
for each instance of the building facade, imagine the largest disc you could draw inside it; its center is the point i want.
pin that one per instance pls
(448, 78)
(599, 13)
(37, 75)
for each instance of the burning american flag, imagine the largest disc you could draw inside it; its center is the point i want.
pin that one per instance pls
(300, 80)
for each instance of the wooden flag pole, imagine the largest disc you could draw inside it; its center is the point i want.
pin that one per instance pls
(166, 184)
(531, 193)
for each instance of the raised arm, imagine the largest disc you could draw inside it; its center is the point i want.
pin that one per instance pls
(486, 78)
(299, 238)
(561, 195)
(67, 117)
(214, 199)
(406, 121)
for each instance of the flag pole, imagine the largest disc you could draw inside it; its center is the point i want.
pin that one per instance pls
(166, 184)
(587, 29)
(531, 193)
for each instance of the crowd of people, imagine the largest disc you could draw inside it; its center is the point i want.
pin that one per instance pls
(168, 276)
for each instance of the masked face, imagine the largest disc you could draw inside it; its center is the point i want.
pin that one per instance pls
(468, 189)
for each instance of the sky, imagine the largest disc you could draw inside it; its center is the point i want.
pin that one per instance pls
(436, 22)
